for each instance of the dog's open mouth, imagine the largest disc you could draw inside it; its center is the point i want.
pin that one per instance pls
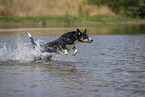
(87, 40)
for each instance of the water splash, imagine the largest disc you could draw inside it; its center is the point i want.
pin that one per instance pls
(4, 51)
(23, 51)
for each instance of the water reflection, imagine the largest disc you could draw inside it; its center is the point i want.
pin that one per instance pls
(40, 79)
(99, 29)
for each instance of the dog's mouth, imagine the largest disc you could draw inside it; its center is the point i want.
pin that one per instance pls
(89, 40)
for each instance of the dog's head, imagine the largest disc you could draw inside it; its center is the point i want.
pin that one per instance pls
(83, 36)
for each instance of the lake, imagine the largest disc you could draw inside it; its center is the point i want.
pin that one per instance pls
(113, 65)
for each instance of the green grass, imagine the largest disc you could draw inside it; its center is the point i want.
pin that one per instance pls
(63, 19)
(60, 21)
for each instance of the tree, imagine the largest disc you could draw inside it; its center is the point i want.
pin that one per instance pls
(133, 8)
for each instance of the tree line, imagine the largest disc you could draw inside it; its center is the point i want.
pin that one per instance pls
(132, 8)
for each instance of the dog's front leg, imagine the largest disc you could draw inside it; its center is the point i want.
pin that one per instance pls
(75, 51)
(62, 51)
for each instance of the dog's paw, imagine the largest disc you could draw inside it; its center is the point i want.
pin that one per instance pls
(65, 52)
(75, 52)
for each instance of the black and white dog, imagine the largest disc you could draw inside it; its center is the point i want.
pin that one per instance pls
(64, 43)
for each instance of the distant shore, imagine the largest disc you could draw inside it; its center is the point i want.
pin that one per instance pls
(122, 28)
(38, 26)
(48, 22)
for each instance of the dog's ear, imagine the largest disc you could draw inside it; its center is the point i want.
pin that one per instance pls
(78, 32)
(85, 30)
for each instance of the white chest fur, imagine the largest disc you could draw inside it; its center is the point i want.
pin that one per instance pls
(69, 47)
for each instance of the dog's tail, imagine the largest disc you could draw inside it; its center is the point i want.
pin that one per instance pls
(32, 40)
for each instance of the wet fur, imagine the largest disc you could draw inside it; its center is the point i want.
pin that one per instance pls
(64, 43)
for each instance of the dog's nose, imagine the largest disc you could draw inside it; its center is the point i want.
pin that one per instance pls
(91, 40)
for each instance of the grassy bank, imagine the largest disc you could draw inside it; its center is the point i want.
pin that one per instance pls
(23, 22)
(68, 19)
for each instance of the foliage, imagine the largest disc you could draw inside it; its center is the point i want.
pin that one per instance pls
(133, 8)
(51, 8)
(71, 8)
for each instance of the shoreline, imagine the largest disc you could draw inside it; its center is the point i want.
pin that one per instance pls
(100, 29)
(21, 26)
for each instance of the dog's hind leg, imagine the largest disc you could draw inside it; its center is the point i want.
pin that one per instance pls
(48, 59)
(32, 40)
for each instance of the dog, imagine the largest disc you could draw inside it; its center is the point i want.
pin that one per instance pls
(64, 43)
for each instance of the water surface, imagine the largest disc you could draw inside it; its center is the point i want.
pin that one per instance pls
(111, 66)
